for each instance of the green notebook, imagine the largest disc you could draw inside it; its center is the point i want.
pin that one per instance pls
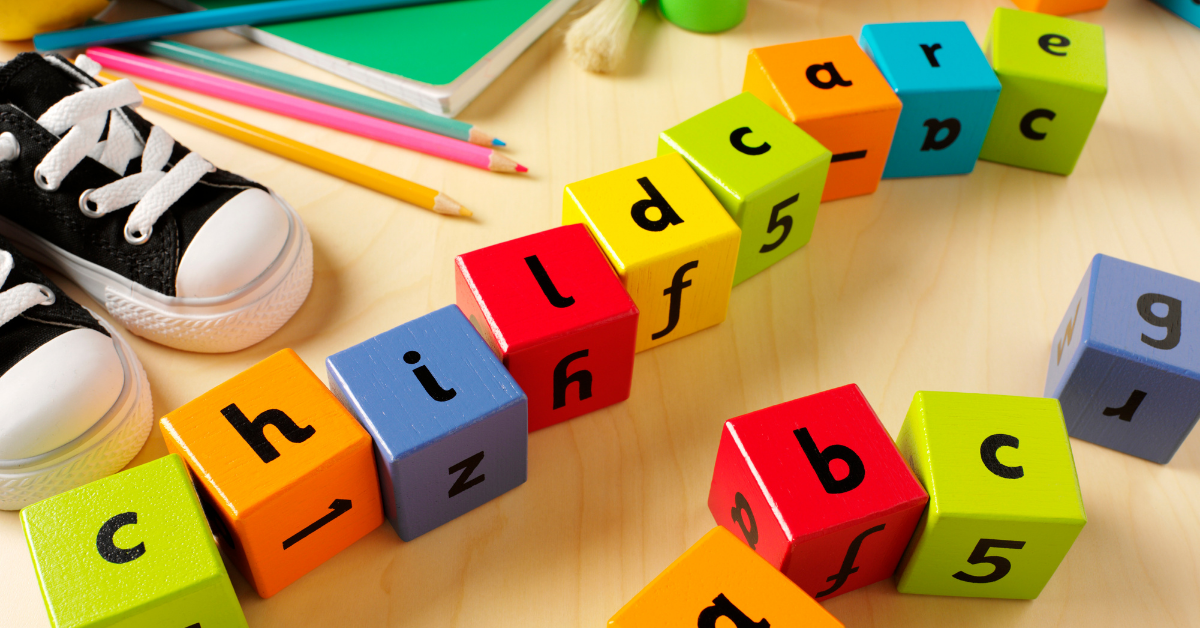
(438, 57)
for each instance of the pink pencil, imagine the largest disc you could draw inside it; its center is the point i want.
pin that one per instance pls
(306, 110)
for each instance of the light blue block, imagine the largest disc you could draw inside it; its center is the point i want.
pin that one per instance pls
(1125, 362)
(961, 87)
(1187, 9)
(428, 444)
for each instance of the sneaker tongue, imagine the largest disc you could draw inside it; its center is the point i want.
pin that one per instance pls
(34, 84)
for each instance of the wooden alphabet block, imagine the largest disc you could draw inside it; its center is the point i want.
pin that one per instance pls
(1004, 503)
(1061, 7)
(130, 550)
(817, 488)
(949, 93)
(830, 88)
(672, 244)
(286, 473)
(1125, 361)
(717, 578)
(767, 173)
(1189, 10)
(553, 311)
(1054, 77)
(449, 423)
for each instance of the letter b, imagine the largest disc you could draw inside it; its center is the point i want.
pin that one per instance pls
(668, 216)
(722, 607)
(819, 459)
(952, 126)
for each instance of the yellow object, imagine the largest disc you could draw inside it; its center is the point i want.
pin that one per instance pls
(720, 577)
(310, 156)
(22, 19)
(669, 239)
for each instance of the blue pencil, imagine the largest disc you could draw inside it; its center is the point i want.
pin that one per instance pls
(259, 13)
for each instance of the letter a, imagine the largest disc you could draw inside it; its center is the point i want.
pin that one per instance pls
(722, 607)
(819, 459)
(835, 79)
(952, 126)
(668, 216)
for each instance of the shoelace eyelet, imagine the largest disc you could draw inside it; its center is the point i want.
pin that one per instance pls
(140, 239)
(10, 147)
(85, 208)
(50, 298)
(41, 180)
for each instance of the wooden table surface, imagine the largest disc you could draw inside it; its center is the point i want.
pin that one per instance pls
(954, 283)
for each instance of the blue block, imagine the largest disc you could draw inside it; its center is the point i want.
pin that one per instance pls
(1186, 9)
(957, 96)
(450, 424)
(1125, 362)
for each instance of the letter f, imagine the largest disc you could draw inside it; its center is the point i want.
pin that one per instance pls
(848, 568)
(676, 294)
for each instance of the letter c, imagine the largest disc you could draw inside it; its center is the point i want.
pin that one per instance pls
(1027, 123)
(104, 540)
(988, 449)
(735, 138)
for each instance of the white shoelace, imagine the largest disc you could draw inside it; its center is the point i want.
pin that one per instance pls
(17, 299)
(83, 116)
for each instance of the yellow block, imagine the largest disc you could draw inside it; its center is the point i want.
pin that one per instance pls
(22, 19)
(669, 239)
(720, 577)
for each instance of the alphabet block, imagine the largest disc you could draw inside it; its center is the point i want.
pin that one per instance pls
(1125, 362)
(449, 423)
(672, 244)
(830, 88)
(130, 550)
(285, 473)
(949, 93)
(1189, 10)
(1054, 77)
(1061, 7)
(767, 173)
(817, 488)
(1004, 503)
(717, 578)
(553, 311)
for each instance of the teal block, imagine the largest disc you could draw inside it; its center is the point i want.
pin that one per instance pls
(1189, 10)
(1054, 76)
(949, 93)
(767, 173)
(132, 550)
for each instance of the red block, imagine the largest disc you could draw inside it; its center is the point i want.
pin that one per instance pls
(817, 488)
(558, 317)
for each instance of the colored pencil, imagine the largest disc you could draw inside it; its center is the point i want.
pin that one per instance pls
(313, 90)
(310, 156)
(306, 110)
(260, 13)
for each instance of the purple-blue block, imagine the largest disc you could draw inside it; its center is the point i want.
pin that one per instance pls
(450, 424)
(1125, 362)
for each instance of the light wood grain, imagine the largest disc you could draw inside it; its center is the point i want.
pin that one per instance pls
(950, 284)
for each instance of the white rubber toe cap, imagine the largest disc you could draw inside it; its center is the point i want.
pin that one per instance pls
(57, 393)
(237, 244)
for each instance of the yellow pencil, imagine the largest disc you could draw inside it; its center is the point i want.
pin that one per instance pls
(310, 156)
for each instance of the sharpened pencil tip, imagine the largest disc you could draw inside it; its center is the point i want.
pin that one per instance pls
(498, 142)
(521, 168)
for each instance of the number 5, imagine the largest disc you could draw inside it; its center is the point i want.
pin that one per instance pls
(979, 556)
(776, 222)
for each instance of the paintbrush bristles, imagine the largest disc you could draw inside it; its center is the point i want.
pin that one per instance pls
(596, 41)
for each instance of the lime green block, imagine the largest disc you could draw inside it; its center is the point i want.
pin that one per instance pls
(1053, 77)
(98, 567)
(767, 173)
(1004, 503)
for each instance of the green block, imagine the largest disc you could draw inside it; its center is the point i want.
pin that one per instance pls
(1053, 78)
(1004, 503)
(769, 178)
(97, 567)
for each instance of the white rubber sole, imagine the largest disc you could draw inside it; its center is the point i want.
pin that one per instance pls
(205, 325)
(104, 449)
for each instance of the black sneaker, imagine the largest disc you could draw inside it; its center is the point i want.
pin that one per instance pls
(178, 251)
(74, 402)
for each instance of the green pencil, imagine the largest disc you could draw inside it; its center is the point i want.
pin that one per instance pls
(319, 92)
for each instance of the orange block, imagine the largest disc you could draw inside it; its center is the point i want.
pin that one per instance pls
(1060, 7)
(285, 473)
(831, 90)
(720, 577)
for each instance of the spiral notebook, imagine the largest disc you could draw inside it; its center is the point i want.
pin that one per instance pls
(437, 57)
